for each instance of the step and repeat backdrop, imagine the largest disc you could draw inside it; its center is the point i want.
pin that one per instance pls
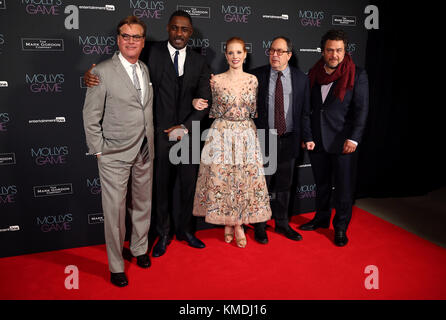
(50, 192)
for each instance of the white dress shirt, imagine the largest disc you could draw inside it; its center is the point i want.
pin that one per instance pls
(139, 72)
(181, 57)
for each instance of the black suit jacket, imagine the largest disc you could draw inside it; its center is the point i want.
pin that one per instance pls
(172, 107)
(330, 123)
(300, 101)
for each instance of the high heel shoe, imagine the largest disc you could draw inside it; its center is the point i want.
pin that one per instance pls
(229, 234)
(241, 242)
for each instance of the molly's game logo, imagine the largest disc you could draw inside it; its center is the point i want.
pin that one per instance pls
(8, 194)
(100, 45)
(61, 222)
(42, 7)
(148, 9)
(309, 18)
(45, 83)
(236, 14)
(50, 156)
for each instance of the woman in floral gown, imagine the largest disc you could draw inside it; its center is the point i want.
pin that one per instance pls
(231, 188)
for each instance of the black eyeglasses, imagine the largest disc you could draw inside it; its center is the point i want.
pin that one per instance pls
(278, 51)
(135, 37)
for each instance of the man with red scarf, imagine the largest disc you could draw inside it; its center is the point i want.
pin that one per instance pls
(332, 129)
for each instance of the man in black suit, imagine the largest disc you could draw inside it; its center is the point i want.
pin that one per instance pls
(333, 127)
(180, 79)
(283, 94)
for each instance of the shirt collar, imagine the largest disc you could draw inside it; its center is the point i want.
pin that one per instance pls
(126, 63)
(172, 49)
(285, 73)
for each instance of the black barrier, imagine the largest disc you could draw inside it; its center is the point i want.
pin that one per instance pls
(49, 189)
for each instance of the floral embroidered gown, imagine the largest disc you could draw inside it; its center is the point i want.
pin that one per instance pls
(231, 187)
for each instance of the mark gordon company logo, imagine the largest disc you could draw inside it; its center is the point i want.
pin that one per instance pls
(41, 44)
(96, 218)
(248, 46)
(53, 190)
(196, 12)
(7, 158)
(347, 21)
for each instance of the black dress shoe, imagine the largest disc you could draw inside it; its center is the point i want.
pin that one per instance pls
(260, 235)
(191, 240)
(161, 246)
(289, 233)
(340, 238)
(143, 261)
(119, 279)
(315, 224)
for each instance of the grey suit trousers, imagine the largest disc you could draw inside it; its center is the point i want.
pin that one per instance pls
(115, 175)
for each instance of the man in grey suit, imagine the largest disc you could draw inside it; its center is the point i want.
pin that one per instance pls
(118, 122)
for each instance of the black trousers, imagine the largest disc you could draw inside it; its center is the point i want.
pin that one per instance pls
(165, 175)
(281, 183)
(338, 171)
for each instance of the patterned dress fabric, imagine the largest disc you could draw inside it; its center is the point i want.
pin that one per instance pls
(231, 187)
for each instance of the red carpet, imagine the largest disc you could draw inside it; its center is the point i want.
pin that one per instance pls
(409, 268)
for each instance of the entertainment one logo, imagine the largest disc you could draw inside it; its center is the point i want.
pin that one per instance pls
(236, 14)
(200, 44)
(306, 191)
(8, 194)
(94, 185)
(42, 7)
(47, 156)
(147, 9)
(61, 222)
(4, 119)
(45, 83)
(310, 18)
(100, 45)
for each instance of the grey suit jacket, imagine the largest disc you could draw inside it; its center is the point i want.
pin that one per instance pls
(115, 121)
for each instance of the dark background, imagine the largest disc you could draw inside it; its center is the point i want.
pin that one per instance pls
(399, 155)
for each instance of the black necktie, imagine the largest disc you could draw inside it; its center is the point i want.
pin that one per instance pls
(279, 113)
(175, 62)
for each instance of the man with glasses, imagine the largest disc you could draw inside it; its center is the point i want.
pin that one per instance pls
(118, 123)
(180, 80)
(283, 94)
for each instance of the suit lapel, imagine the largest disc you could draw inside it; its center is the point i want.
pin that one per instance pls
(120, 70)
(188, 68)
(147, 81)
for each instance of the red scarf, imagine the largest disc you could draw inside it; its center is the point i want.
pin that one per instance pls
(344, 73)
